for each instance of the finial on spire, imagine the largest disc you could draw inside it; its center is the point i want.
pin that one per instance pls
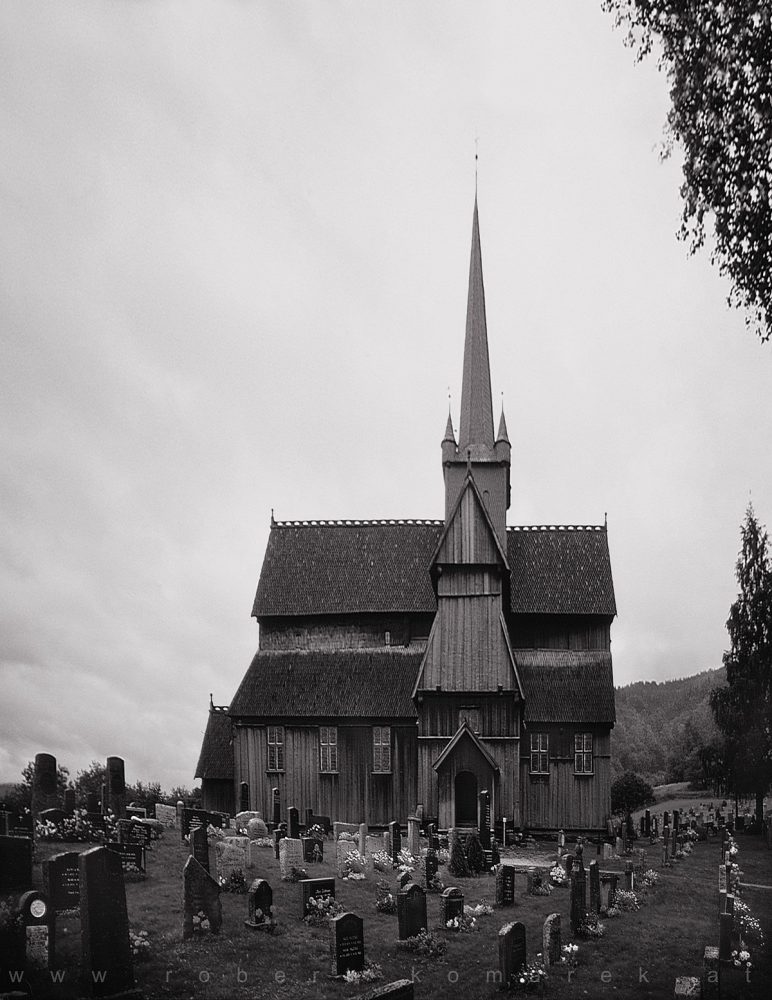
(476, 158)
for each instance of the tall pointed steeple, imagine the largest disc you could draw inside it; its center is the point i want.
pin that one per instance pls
(476, 405)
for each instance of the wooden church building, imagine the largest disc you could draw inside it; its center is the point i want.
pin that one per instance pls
(413, 662)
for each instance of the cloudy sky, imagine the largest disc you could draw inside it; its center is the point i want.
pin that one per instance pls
(233, 261)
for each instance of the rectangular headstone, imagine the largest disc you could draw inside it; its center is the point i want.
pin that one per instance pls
(132, 858)
(505, 885)
(512, 951)
(373, 843)
(711, 974)
(594, 887)
(347, 944)
(166, 815)
(260, 906)
(551, 940)
(290, 855)
(61, 877)
(201, 895)
(451, 904)
(293, 823)
(395, 840)
(199, 845)
(401, 989)
(578, 896)
(231, 857)
(15, 862)
(414, 836)
(315, 888)
(106, 959)
(411, 911)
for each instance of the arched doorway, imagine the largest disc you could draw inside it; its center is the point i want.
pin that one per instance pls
(465, 788)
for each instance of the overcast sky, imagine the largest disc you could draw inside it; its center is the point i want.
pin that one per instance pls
(234, 246)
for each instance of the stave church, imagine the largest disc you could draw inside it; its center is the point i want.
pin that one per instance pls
(409, 663)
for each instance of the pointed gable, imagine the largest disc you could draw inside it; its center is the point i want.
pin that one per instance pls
(469, 536)
(465, 732)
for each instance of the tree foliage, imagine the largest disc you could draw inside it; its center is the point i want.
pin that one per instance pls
(718, 58)
(743, 708)
(630, 792)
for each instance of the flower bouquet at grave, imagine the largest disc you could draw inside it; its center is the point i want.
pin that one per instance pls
(741, 958)
(405, 861)
(462, 924)
(424, 943)
(569, 955)
(649, 879)
(558, 875)
(540, 887)
(351, 838)
(480, 910)
(354, 866)
(133, 873)
(381, 861)
(315, 832)
(217, 832)
(321, 910)
(47, 830)
(386, 903)
(295, 874)
(748, 926)
(530, 978)
(370, 974)
(626, 901)
(435, 884)
(200, 922)
(140, 945)
(591, 927)
(443, 855)
(263, 842)
(235, 882)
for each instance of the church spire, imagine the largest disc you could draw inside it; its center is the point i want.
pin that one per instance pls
(476, 406)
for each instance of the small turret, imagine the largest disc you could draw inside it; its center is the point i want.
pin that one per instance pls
(502, 447)
(449, 449)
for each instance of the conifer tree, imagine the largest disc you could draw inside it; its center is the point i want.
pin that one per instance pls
(743, 708)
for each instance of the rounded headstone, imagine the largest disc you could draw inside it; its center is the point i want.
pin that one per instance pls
(256, 828)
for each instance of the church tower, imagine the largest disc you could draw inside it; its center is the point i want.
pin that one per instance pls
(468, 692)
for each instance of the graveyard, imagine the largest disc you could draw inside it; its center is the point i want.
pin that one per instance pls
(196, 904)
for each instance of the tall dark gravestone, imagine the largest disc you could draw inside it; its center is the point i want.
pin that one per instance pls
(411, 911)
(512, 951)
(201, 894)
(484, 817)
(15, 862)
(347, 944)
(276, 806)
(106, 961)
(244, 797)
(594, 887)
(93, 804)
(116, 786)
(44, 794)
(69, 801)
(395, 840)
(293, 823)
(578, 897)
(199, 846)
(505, 885)
(61, 877)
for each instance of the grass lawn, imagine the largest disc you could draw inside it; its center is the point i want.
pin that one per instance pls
(639, 955)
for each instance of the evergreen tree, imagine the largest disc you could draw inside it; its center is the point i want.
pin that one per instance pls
(457, 863)
(743, 709)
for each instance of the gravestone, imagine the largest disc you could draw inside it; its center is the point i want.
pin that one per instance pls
(290, 855)
(414, 836)
(687, 987)
(243, 796)
(647, 823)
(578, 895)
(339, 828)
(93, 803)
(166, 815)
(199, 846)
(139, 811)
(54, 815)
(676, 819)
(404, 879)
(61, 877)
(15, 862)
(315, 888)
(293, 823)
(201, 895)
(131, 832)
(512, 951)
(278, 834)
(400, 989)
(69, 801)
(116, 786)
(451, 904)
(568, 863)
(431, 866)
(242, 819)
(411, 911)
(230, 857)
(505, 885)
(192, 818)
(44, 794)
(484, 819)
(594, 887)
(711, 974)
(309, 821)
(260, 906)
(395, 840)
(726, 925)
(373, 843)
(347, 944)
(629, 877)
(551, 940)
(37, 917)
(132, 858)
(256, 828)
(363, 839)
(104, 924)
(343, 848)
(276, 797)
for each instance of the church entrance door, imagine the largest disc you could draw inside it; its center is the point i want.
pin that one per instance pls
(466, 798)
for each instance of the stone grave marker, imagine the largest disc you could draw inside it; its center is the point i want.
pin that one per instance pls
(451, 904)
(395, 840)
(711, 974)
(278, 834)
(104, 923)
(404, 879)
(231, 857)
(61, 877)
(578, 894)
(512, 951)
(44, 793)
(414, 836)
(139, 811)
(260, 906)
(39, 927)
(594, 887)
(293, 823)
(132, 859)
(23, 826)
(411, 910)
(244, 796)
(629, 876)
(687, 986)
(15, 862)
(191, 818)
(276, 800)
(339, 828)
(315, 888)
(290, 855)
(243, 818)
(116, 786)
(505, 885)
(201, 894)
(431, 866)
(347, 944)
(551, 940)
(484, 819)
(199, 846)
(256, 828)
(373, 843)
(363, 839)
(131, 832)
(400, 989)
(166, 815)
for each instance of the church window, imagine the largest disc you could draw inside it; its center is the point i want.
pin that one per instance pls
(387, 638)
(539, 753)
(382, 748)
(328, 748)
(275, 748)
(583, 753)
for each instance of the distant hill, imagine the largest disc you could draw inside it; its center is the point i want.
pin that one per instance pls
(659, 723)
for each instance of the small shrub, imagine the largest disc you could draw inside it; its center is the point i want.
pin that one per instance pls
(457, 863)
(424, 943)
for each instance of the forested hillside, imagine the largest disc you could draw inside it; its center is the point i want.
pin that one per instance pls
(661, 727)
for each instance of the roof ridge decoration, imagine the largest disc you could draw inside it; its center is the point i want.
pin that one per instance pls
(557, 527)
(356, 522)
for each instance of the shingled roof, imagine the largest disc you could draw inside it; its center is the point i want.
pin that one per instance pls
(567, 685)
(348, 567)
(216, 758)
(347, 683)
